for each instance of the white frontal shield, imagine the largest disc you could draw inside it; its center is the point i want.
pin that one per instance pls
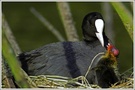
(99, 24)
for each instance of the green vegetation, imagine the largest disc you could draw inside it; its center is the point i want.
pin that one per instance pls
(10, 58)
(125, 16)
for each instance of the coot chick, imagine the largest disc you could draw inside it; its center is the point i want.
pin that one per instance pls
(70, 59)
(103, 70)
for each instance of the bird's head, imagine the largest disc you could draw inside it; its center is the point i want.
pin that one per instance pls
(112, 50)
(110, 57)
(93, 27)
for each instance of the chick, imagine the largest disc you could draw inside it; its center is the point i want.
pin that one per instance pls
(104, 70)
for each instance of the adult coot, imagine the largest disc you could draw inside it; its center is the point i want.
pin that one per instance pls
(72, 59)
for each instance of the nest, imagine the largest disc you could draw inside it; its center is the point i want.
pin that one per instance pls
(51, 81)
(123, 84)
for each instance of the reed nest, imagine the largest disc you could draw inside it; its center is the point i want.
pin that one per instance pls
(52, 81)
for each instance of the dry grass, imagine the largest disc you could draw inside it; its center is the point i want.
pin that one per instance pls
(49, 81)
(127, 83)
(53, 81)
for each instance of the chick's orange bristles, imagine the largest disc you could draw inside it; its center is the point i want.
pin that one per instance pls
(109, 47)
(112, 49)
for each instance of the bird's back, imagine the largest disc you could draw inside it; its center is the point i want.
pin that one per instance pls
(70, 59)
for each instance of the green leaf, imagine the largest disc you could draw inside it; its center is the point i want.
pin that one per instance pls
(125, 16)
(11, 59)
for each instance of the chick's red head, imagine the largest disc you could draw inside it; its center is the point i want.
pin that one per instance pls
(113, 50)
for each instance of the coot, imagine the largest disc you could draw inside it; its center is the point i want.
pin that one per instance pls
(72, 59)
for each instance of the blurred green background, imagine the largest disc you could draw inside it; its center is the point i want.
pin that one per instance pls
(30, 33)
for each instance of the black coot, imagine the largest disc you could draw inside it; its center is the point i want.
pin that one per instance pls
(71, 59)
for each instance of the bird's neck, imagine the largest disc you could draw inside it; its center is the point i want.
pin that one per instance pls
(93, 43)
(93, 39)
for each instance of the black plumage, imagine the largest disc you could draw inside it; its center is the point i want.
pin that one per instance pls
(70, 59)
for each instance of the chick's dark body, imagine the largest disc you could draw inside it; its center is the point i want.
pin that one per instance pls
(69, 59)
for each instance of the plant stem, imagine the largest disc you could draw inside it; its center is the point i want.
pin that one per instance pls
(10, 58)
(47, 24)
(66, 16)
